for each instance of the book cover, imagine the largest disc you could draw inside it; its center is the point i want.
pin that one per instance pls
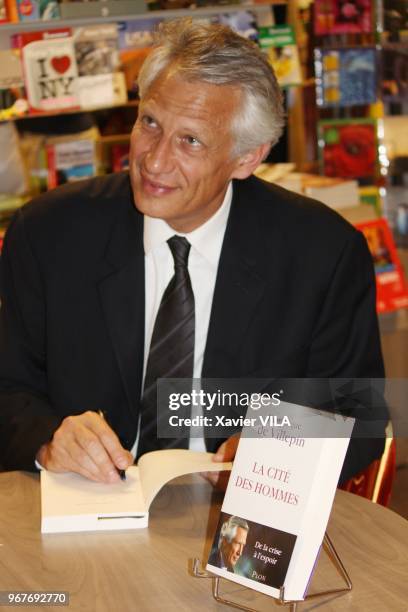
(279, 43)
(392, 288)
(3, 12)
(343, 16)
(11, 71)
(242, 22)
(32, 10)
(345, 77)
(278, 501)
(348, 148)
(97, 56)
(96, 49)
(120, 157)
(70, 161)
(50, 70)
(70, 502)
(137, 33)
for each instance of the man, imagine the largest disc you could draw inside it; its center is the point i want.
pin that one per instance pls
(274, 285)
(231, 543)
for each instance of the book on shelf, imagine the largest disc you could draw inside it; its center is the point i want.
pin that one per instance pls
(99, 82)
(348, 149)
(345, 77)
(71, 160)
(50, 69)
(120, 157)
(33, 10)
(11, 83)
(137, 33)
(279, 43)
(243, 22)
(334, 192)
(4, 17)
(70, 502)
(340, 17)
(278, 501)
(391, 284)
(11, 11)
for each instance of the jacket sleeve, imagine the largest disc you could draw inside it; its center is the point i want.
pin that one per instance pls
(27, 419)
(346, 346)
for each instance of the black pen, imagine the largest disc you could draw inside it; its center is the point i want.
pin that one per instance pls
(122, 473)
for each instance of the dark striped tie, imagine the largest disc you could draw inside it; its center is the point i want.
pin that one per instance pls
(171, 352)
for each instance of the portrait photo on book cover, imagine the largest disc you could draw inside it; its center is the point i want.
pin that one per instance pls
(252, 550)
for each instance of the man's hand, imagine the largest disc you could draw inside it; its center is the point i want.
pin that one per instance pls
(85, 444)
(226, 452)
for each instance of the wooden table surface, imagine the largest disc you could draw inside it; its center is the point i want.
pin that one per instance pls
(150, 569)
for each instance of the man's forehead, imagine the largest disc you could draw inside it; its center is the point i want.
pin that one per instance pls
(200, 99)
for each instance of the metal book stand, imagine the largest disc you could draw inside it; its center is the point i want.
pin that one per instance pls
(331, 553)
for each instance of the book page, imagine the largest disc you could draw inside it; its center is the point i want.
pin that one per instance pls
(73, 495)
(158, 467)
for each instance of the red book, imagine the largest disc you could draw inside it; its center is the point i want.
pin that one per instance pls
(392, 288)
(343, 16)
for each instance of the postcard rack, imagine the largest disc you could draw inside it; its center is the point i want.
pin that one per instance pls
(330, 550)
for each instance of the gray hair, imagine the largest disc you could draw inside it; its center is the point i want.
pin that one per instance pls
(217, 55)
(229, 528)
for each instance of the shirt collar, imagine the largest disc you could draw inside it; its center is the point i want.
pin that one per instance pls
(206, 239)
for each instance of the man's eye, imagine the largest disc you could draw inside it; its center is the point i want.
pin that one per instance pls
(192, 141)
(148, 121)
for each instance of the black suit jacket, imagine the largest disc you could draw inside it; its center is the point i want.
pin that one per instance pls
(294, 297)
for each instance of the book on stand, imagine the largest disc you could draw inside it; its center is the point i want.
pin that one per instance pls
(278, 501)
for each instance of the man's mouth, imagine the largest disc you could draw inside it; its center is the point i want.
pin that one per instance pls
(156, 188)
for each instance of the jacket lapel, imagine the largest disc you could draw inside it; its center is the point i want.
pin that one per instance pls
(240, 282)
(122, 292)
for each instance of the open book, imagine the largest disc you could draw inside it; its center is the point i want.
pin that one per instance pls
(278, 500)
(70, 502)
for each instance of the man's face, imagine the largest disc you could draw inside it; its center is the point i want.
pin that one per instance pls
(231, 551)
(180, 157)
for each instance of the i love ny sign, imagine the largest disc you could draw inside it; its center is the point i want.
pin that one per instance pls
(51, 74)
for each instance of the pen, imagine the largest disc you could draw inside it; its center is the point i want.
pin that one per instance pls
(122, 473)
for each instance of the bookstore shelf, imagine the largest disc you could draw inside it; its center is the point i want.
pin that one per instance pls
(105, 16)
(71, 111)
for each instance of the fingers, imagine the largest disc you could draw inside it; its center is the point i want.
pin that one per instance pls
(227, 450)
(219, 480)
(85, 444)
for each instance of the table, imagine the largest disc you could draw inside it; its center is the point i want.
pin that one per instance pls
(150, 569)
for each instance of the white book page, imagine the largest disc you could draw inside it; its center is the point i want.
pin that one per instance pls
(158, 467)
(319, 506)
(72, 495)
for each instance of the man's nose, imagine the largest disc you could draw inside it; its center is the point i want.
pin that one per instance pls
(159, 158)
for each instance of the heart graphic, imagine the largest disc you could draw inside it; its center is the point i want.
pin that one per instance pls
(61, 64)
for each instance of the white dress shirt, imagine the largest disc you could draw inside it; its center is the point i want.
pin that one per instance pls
(206, 242)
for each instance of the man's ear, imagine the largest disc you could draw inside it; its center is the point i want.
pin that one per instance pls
(248, 162)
